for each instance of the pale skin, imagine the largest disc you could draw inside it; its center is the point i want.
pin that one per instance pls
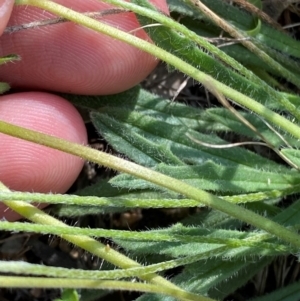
(60, 58)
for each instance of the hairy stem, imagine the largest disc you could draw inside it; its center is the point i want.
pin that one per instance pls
(186, 68)
(178, 186)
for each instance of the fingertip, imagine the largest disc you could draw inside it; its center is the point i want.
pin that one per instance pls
(6, 7)
(161, 5)
(73, 59)
(25, 166)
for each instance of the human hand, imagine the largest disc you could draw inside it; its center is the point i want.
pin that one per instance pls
(65, 58)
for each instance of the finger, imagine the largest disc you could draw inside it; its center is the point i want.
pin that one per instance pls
(70, 58)
(6, 7)
(25, 166)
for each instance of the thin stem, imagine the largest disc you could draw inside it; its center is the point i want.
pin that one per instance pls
(149, 175)
(238, 97)
(39, 282)
(108, 202)
(59, 20)
(127, 202)
(234, 32)
(166, 21)
(254, 241)
(16, 267)
(203, 43)
(87, 243)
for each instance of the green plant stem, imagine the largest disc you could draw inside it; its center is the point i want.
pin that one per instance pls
(234, 32)
(87, 243)
(236, 96)
(17, 267)
(255, 241)
(39, 282)
(123, 201)
(122, 165)
(111, 202)
(202, 42)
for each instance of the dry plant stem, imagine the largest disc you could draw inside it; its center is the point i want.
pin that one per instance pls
(274, 8)
(149, 175)
(58, 20)
(257, 12)
(236, 96)
(202, 42)
(226, 104)
(87, 243)
(228, 28)
(248, 44)
(229, 145)
(144, 173)
(128, 167)
(291, 25)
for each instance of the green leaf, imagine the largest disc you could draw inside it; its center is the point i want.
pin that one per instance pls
(219, 277)
(190, 241)
(9, 58)
(182, 8)
(256, 30)
(150, 137)
(273, 41)
(183, 48)
(133, 144)
(231, 123)
(212, 219)
(135, 127)
(239, 279)
(69, 295)
(256, 3)
(140, 100)
(101, 188)
(289, 293)
(207, 276)
(4, 87)
(211, 275)
(269, 35)
(289, 216)
(215, 177)
(292, 154)
(257, 21)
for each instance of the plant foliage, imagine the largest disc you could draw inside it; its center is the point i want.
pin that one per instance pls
(216, 251)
